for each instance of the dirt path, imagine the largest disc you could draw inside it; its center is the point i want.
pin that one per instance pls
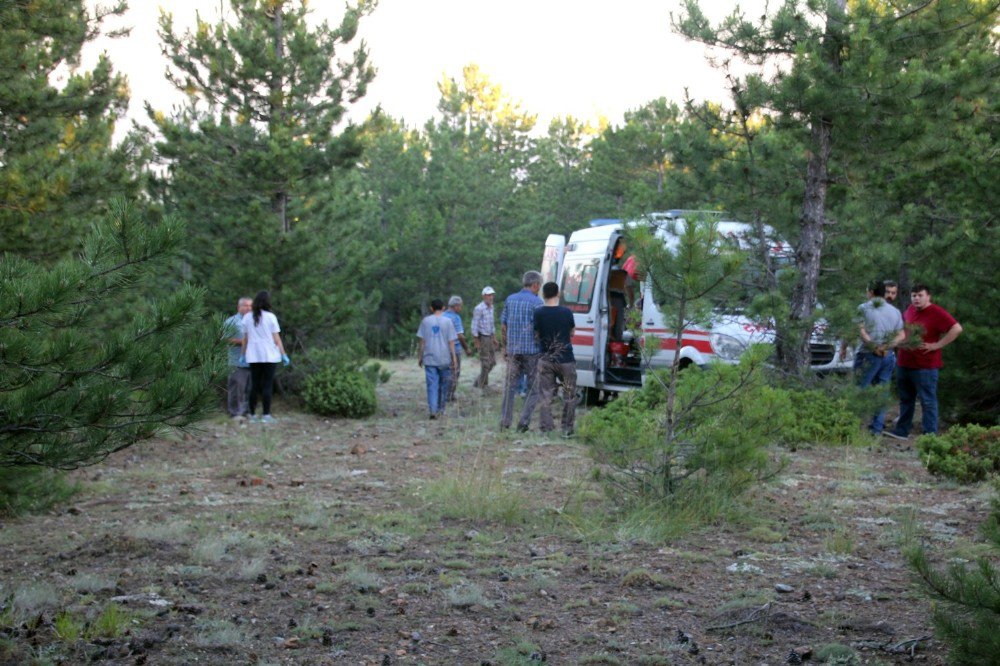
(400, 540)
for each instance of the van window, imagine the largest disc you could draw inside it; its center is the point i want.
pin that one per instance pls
(579, 278)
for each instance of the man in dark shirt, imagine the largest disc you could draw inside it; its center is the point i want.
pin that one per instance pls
(554, 329)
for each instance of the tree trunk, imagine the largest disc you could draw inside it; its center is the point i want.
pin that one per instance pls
(792, 341)
(279, 200)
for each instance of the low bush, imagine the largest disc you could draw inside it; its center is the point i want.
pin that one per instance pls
(966, 454)
(967, 609)
(32, 489)
(335, 391)
(725, 416)
(820, 416)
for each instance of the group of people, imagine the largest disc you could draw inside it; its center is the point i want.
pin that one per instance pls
(536, 334)
(255, 350)
(908, 344)
(537, 343)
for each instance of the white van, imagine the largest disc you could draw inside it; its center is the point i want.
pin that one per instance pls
(595, 285)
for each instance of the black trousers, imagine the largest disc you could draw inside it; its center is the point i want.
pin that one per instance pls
(262, 384)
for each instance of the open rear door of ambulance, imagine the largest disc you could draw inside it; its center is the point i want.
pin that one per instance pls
(555, 244)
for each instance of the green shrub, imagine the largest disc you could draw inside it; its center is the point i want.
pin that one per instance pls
(965, 453)
(375, 373)
(823, 417)
(32, 489)
(725, 418)
(337, 392)
(967, 609)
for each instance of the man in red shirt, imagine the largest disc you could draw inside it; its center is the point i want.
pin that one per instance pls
(918, 364)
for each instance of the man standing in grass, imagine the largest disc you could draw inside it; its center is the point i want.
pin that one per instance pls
(436, 356)
(238, 384)
(521, 348)
(918, 364)
(881, 330)
(484, 336)
(554, 327)
(454, 314)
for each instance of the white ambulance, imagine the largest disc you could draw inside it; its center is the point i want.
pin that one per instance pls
(597, 284)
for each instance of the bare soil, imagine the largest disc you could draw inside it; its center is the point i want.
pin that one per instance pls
(322, 541)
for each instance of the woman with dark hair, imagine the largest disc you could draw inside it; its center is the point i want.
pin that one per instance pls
(263, 350)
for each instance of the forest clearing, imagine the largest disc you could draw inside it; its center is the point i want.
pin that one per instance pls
(399, 540)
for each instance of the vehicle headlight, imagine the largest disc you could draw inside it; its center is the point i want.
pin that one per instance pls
(727, 347)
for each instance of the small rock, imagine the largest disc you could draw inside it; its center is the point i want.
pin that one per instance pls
(261, 578)
(295, 483)
(471, 535)
(358, 450)
(191, 609)
(783, 588)
(74, 510)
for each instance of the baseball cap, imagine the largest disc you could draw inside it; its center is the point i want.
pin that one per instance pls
(488, 290)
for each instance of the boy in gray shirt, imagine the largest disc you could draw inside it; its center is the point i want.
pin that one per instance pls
(437, 355)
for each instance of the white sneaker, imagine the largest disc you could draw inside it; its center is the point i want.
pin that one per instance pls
(889, 433)
(267, 418)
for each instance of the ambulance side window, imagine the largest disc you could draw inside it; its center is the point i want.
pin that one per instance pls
(579, 278)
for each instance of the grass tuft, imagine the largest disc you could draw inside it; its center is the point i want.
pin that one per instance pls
(113, 622)
(481, 493)
(467, 595)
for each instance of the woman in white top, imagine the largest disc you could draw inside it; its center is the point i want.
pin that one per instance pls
(263, 350)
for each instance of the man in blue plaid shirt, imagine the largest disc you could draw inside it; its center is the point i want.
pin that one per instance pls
(520, 348)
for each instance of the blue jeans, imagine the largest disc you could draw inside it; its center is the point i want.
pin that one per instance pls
(911, 384)
(438, 378)
(872, 370)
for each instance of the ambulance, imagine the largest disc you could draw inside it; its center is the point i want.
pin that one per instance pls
(600, 284)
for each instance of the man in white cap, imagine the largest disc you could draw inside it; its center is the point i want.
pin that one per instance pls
(484, 335)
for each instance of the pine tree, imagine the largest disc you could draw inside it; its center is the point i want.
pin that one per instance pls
(256, 156)
(837, 75)
(967, 617)
(57, 165)
(687, 277)
(72, 393)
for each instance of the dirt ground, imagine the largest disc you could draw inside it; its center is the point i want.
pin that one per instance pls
(400, 540)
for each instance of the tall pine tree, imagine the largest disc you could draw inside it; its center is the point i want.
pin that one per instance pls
(837, 75)
(58, 168)
(255, 152)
